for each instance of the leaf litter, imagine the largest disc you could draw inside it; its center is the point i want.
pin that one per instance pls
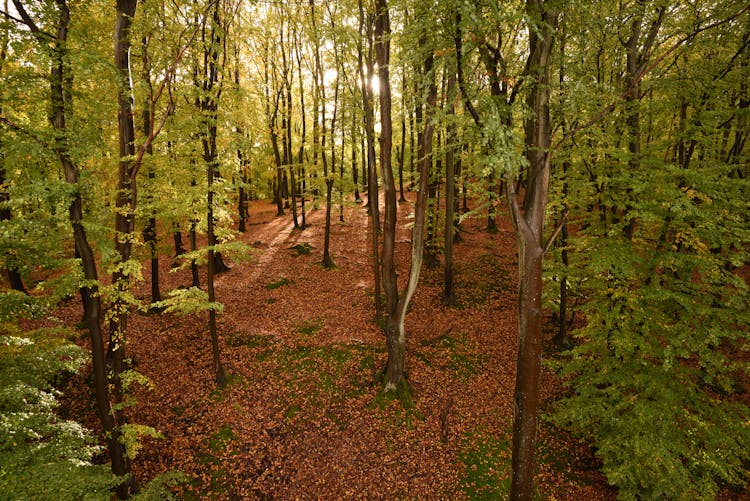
(302, 416)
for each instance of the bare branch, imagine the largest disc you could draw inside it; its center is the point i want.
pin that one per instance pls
(552, 238)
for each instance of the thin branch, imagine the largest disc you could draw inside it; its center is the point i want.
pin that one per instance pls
(26, 19)
(460, 71)
(556, 232)
(18, 128)
(11, 18)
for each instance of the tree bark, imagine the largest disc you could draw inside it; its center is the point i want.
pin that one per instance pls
(371, 177)
(149, 232)
(125, 203)
(210, 104)
(529, 226)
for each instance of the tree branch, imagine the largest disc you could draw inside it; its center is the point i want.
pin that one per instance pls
(27, 20)
(458, 42)
(556, 232)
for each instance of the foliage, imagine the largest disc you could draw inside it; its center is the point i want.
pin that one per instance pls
(41, 455)
(132, 435)
(654, 378)
(187, 302)
(660, 218)
(159, 488)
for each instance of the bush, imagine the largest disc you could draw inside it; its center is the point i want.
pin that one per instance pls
(653, 379)
(42, 456)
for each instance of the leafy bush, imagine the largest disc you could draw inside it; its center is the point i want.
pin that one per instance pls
(42, 456)
(654, 377)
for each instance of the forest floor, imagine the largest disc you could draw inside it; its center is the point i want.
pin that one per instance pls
(302, 416)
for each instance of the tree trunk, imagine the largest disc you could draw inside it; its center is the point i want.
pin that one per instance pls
(194, 274)
(179, 247)
(402, 152)
(373, 208)
(125, 200)
(529, 227)
(125, 203)
(395, 380)
(449, 297)
(90, 297)
(149, 232)
(210, 105)
(14, 277)
(355, 170)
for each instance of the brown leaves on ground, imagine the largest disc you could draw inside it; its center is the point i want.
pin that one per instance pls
(302, 416)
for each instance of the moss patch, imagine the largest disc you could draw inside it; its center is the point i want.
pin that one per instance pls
(480, 281)
(280, 282)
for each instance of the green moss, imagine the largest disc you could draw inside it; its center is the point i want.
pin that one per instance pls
(303, 249)
(309, 327)
(454, 352)
(486, 466)
(480, 281)
(220, 439)
(237, 339)
(280, 282)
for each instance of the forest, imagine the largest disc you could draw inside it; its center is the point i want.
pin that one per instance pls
(374, 249)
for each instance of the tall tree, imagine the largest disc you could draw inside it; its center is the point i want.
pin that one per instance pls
(543, 17)
(449, 232)
(396, 303)
(366, 70)
(61, 107)
(14, 276)
(214, 37)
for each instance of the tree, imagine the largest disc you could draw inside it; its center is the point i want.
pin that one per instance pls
(61, 106)
(397, 304)
(366, 70)
(212, 88)
(14, 277)
(529, 224)
(43, 456)
(449, 297)
(528, 216)
(652, 376)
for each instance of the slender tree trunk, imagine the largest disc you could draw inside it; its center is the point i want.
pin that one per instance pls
(194, 273)
(125, 203)
(149, 232)
(303, 133)
(210, 104)
(562, 338)
(395, 338)
(179, 247)
(395, 380)
(14, 277)
(402, 152)
(355, 170)
(372, 183)
(320, 86)
(529, 227)
(636, 59)
(449, 297)
(242, 200)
